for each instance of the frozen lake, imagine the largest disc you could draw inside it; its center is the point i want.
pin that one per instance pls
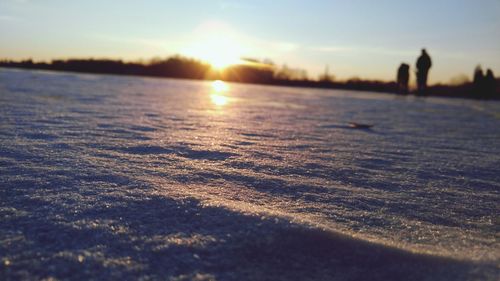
(128, 177)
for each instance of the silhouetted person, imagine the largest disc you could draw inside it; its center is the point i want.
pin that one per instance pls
(490, 84)
(424, 63)
(403, 78)
(478, 82)
(478, 75)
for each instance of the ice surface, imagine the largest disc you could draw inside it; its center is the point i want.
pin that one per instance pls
(123, 177)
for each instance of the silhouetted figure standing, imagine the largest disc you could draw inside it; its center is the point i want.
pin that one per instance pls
(424, 63)
(403, 78)
(478, 82)
(490, 84)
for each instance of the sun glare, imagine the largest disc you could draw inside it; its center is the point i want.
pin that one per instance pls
(219, 50)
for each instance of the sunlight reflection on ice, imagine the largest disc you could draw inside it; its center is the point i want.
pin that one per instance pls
(218, 88)
(218, 99)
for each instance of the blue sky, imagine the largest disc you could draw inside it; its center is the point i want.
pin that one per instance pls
(368, 39)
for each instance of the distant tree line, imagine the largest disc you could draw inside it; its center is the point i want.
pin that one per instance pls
(250, 71)
(174, 67)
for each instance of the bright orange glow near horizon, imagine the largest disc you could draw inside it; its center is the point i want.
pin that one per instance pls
(219, 52)
(218, 46)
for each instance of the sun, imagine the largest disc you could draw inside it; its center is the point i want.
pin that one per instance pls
(217, 49)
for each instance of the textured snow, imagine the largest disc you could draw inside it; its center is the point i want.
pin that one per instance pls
(137, 178)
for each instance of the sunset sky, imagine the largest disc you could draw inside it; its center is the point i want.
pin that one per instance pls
(367, 39)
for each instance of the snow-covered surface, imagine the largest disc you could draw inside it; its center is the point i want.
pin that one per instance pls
(126, 177)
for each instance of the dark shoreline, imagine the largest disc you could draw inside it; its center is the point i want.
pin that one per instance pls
(181, 68)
